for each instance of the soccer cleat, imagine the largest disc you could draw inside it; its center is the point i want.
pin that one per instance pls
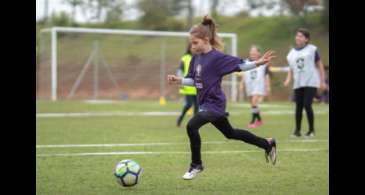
(252, 125)
(193, 172)
(272, 153)
(310, 134)
(259, 123)
(296, 134)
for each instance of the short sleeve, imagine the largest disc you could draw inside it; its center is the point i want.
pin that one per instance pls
(267, 70)
(227, 64)
(316, 56)
(288, 60)
(191, 68)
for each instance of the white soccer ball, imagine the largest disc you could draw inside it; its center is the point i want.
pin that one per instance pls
(127, 173)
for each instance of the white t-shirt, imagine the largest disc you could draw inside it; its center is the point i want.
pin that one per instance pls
(302, 63)
(255, 81)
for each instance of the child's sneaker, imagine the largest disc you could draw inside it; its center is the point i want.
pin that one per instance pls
(272, 153)
(259, 123)
(252, 125)
(310, 134)
(296, 134)
(193, 172)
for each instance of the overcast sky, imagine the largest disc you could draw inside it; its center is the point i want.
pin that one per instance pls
(227, 7)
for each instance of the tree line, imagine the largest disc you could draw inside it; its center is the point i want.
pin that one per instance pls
(156, 11)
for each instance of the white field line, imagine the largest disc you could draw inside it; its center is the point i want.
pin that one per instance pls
(309, 140)
(101, 101)
(152, 144)
(173, 152)
(283, 112)
(103, 114)
(115, 145)
(87, 114)
(262, 106)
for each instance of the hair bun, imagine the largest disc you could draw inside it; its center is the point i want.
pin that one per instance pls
(207, 20)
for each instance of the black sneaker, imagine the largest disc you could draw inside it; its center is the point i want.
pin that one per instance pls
(272, 153)
(296, 134)
(310, 134)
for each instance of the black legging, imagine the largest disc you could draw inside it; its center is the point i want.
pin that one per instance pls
(190, 100)
(303, 99)
(223, 125)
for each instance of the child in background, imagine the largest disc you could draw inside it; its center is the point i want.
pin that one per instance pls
(255, 81)
(188, 91)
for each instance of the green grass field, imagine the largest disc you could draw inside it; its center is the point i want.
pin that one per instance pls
(231, 167)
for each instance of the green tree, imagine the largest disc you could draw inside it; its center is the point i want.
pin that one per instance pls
(298, 6)
(157, 14)
(161, 14)
(114, 11)
(326, 13)
(95, 8)
(190, 14)
(266, 4)
(74, 4)
(180, 6)
(61, 19)
(214, 8)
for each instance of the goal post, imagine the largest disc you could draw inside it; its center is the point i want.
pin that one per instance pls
(54, 47)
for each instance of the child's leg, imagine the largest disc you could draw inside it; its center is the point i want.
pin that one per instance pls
(223, 125)
(309, 93)
(188, 104)
(255, 108)
(299, 104)
(193, 132)
(253, 105)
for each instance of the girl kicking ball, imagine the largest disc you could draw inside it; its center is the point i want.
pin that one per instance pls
(207, 67)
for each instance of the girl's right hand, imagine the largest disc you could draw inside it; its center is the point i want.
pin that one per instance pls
(173, 79)
(266, 58)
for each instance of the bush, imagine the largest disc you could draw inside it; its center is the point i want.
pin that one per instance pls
(61, 19)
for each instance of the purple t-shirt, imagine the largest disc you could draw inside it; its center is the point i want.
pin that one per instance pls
(207, 71)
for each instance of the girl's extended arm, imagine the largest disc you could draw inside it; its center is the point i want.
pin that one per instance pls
(263, 60)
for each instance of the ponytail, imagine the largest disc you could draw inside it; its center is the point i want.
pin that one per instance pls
(208, 28)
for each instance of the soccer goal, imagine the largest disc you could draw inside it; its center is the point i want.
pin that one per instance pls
(111, 64)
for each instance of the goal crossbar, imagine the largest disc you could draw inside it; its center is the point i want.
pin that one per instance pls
(55, 30)
(128, 32)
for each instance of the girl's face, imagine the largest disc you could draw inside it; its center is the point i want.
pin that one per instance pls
(198, 45)
(254, 54)
(300, 39)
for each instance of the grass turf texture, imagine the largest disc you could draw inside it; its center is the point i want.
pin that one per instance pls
(301, 172)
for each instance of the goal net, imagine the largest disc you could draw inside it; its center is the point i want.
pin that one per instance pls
(110, 64)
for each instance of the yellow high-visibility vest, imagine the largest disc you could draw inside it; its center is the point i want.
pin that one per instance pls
(187, 90)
